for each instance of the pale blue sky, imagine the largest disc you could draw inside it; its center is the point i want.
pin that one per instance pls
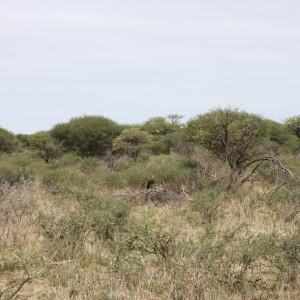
(130, 60)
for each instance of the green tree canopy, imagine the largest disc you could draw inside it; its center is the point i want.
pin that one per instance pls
(87, 135)
(231, 134)
(165, 131)
(24, 139)
(8, 141)
(279, 133)
(293, 124)
(161, 125)
(48, 147)
(39, 139)
(132, 141)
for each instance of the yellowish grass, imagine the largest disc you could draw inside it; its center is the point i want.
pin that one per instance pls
(93, 274)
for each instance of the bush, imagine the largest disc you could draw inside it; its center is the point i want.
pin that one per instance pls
(249, 265)
(87, 135)
(159, 146)
(151, 239)
(168, 168)
(206, 203)
(132, 141)
(19, 166)
(65, 237)
(280, 135)
(8, 141)
(107, 215)
(42, 141)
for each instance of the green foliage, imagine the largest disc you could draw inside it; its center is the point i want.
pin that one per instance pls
(159, 145)
(175, 119)
(206, 204)
(293, 123)
(169, 168)
(282, 136)
(160, 126)
(165, 132)
(91, 242)
(65, 237)
(229, 133)
(8, 141)
(90, 165)
(51, 152)
(24, 139)
(231, 260)
(17, 166)
(39, 140)
(149, 238)
(107, 215)
(132, 141)
(48, 147)
(87, 135)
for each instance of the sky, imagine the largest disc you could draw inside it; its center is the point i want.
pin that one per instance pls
(136, 59)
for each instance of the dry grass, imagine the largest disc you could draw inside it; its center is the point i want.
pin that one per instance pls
(166, 251)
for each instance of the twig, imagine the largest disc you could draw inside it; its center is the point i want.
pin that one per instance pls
(162, 183)
(289, 218)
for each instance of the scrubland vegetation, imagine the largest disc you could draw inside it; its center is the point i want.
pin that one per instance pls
(221, 222)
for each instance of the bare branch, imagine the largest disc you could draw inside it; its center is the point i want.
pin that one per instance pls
(272, 160)
(289, 218)
(252, 172)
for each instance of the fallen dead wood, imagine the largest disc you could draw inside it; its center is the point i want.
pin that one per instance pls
(155, 194)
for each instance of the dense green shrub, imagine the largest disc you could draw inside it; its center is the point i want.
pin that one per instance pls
(107, 215)
(293, 123)
(160, 126)
(90, 165)
(158, 145)
(229, 133)
(87, 135)
(165, 133)
(42, 141)
(280, 135)
(166, 168)
(8, 141)
(20, 165)
(132, 141)
(24, 139)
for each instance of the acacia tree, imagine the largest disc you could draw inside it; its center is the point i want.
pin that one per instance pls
(50, 150)
(293, 124)
(132, 141)
(8, 141)
(233, 136)
(87, 135)
(164, 131)
(160, 126)
(280, 137)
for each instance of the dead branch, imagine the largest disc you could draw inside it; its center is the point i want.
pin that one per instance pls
(277, 187)
(282, 171)
(291, 216)
(252, 172)
(162, 183)
(272, 160)
(18, 285)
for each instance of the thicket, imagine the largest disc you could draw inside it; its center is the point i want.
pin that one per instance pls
(8, 141)
(221, 222)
